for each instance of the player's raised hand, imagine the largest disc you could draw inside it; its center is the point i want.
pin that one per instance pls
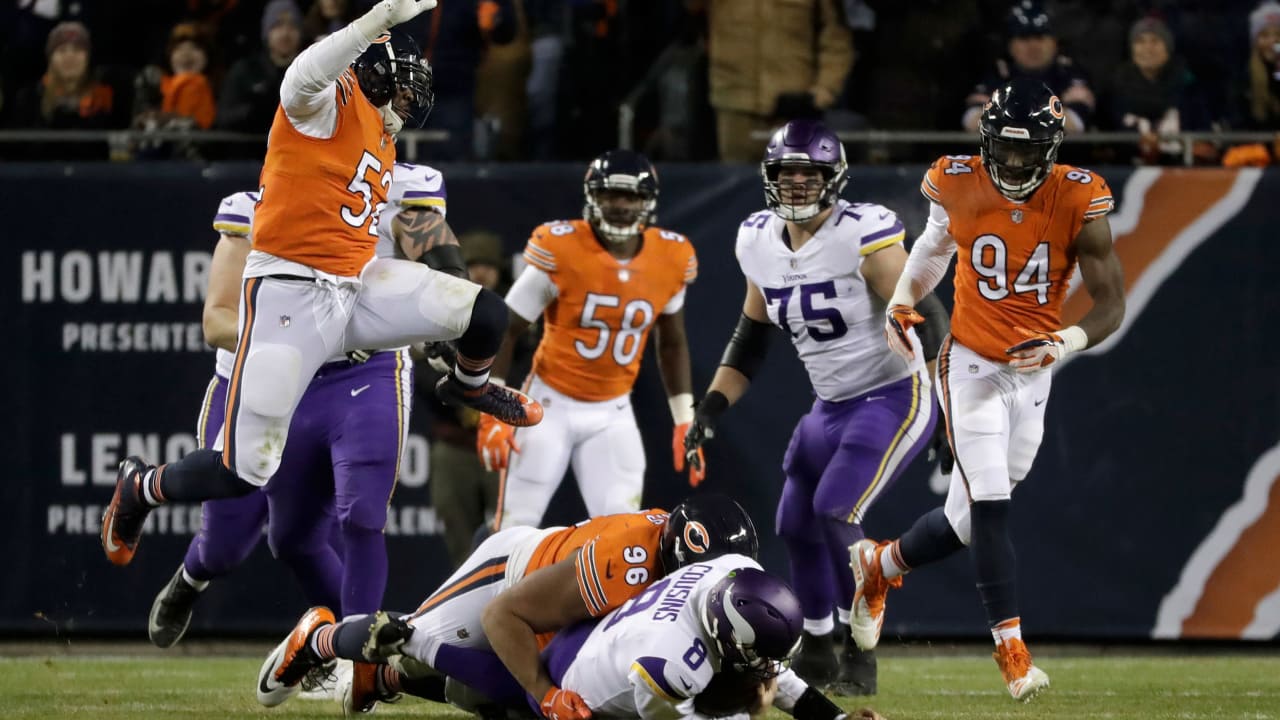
(898, 319)
(1039, 350)
(681, 454)
(561, 704)
(398, 11)
(495, 441)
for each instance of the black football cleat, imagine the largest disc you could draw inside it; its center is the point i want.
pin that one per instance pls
(816, 662)
(171, 611)
(123, 519)
(506, 404)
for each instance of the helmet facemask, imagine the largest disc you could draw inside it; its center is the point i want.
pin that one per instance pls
(1018, 167)
(617, 213)
(397, 81)
(799, 201)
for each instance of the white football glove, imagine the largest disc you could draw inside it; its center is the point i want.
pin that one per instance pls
(386, 14)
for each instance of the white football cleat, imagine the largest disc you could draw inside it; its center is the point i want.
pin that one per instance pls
(870, 589)
(1023, 679)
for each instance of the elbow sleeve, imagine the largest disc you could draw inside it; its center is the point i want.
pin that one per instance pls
(446, 259)
(748, 346)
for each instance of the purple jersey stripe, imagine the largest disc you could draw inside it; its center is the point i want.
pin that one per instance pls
(411, 194)
(231, 218)
(882, 234)
(655, 668)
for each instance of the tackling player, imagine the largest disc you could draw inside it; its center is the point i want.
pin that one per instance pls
(1018, 223)
(822, 269)
(601, 284)
(519, 587)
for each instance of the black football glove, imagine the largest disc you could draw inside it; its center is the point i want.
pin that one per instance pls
(703, 427)
(939, 447)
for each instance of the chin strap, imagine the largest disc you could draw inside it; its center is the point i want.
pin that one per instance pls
(391, 121)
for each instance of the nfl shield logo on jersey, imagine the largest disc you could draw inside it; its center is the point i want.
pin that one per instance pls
(1016, 215)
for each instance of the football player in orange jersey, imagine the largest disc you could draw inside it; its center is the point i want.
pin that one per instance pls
(312, 286)
(1018, 224)
(600, 283)
(515, 591)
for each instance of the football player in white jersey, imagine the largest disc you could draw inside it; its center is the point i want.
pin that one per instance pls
(822, 269)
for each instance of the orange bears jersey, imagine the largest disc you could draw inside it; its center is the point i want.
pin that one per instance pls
(321, 197)
(617, 556)
(596, 328)
(1013, 259)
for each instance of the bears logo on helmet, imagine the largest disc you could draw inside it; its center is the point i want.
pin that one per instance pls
(705, 526)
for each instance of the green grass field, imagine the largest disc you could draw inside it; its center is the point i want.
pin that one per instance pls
(913, 684)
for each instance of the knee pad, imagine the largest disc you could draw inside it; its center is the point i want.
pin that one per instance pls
(270, 382)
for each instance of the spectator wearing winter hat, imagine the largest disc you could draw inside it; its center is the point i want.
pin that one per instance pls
(252, 88)
(1262, 92)
(1155, 94)
(327, 17)
(68, 96)
(183, 96)
(1033, 53)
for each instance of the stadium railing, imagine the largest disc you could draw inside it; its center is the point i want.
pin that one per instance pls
(122, 142)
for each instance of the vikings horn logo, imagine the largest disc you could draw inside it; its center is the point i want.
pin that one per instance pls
(696, 538)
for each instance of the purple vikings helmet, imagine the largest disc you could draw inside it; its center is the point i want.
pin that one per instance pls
(755, 621)
(804, 143)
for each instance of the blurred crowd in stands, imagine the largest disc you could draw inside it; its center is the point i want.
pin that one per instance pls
(545, 80)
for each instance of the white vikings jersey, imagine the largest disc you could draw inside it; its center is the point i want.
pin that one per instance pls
(234, 217)
(650, 656)
(819, 297)
(411, 186)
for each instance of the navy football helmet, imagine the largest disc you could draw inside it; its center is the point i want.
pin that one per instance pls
(393, 62)
(755, 621)
(804, 143)
(705, 526)
(621, 171)
(1021, 129)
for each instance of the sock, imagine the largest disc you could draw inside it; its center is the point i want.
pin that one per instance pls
(199, 585)
(819, 626)
(478, 345)
(994, 562)
(840, 536)
(364, 568)
(150, 485)
(891, 563)
(198, 476)
(472, 373)
(322, 642)
(1006, 630)
(389, 679)
(930, 538)
(843, 615)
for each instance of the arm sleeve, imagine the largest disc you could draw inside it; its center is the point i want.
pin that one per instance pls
(307, 92)
(928, 261)
(531, 293)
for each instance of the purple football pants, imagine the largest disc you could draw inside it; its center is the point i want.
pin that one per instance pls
(842, 456)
